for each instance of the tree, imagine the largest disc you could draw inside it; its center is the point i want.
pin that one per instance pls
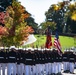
(53, 15)
(71, 21)
(64, 15)
(15, 30)
(2, 18)
(45, 25)
(4, 4)
(30, 21)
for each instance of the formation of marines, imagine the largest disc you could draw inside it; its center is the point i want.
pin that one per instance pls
(36, 61)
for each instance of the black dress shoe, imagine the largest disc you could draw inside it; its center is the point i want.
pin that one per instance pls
(53, 74)
(64, 71)
(59, 73)
(72, 72)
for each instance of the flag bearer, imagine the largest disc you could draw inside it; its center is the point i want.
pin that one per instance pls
(46, 61)
(59, 63)
(22, 61)
(50, 60)
(71, 61)
(43, 62)
(75, 61)
(11, 66)
(37, 61)
(29, 61)
(54, 66)
(18, 62)
(40, 61)
(2, 61)
(65, 59)
(55, 56)
(75, 57)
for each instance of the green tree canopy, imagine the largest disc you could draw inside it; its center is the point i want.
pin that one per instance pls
(45, 25)
(64, 15)
(30, 21)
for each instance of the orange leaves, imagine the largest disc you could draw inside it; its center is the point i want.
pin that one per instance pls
(23, 17)
(22, 9)
(2, 17)
(3, 30)
(26, 31)
(15, 30)
(2, 14)
(19, 12)
(29, 29)
(26, 15)
(62, 4)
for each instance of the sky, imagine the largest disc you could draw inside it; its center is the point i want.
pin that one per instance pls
(37, 8)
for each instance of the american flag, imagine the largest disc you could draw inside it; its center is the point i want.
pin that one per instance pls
(57, 44)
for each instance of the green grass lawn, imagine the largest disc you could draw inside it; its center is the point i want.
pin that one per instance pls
(66, 42)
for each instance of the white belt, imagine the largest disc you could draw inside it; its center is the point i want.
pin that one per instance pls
(11, 57)
(1, 57)
(28, 59)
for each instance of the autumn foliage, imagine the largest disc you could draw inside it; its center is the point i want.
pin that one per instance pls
(2, 17)
(15, 29)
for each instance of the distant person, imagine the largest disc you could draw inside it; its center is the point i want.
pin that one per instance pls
(72, 61)
(12, 58)
(48, 43)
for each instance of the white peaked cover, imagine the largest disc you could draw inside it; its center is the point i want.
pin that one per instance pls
(31, 39)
